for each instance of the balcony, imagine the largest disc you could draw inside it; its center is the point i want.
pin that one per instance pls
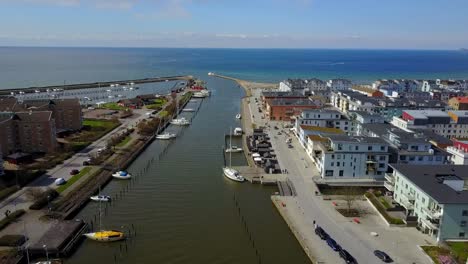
(431, 224)
(432, 214)
(389, 177)
(410, 197)
(407, 204)
(389, 186)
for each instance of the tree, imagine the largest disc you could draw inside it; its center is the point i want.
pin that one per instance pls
(350, 195)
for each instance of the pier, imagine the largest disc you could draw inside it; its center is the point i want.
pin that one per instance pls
(76, 86)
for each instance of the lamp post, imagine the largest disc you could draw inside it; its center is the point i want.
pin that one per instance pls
(46, 252)
(48, 202)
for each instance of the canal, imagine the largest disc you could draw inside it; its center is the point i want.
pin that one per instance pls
(183, 209)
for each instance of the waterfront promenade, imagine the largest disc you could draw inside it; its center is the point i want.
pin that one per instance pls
(302, 210)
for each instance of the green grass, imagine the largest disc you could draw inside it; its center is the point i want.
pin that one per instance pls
(158, 103)
(124, 141)
(73, 179)
(113, 106)
(96, 123)
(460, 249)
(384, 202)
(163, 113)
(4, 193)
(382, 211)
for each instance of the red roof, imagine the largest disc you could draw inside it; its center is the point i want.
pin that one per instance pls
(463, 100)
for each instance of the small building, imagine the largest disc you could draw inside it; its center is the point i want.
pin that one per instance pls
(435, 195)
(147, 98)
(133, 103)
(458, 103)
(458, 152)
(286, 109)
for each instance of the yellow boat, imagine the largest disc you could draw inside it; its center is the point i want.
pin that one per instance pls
(106, 235)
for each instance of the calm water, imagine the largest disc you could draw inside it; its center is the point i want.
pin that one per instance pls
(20, 67)
(183, 207)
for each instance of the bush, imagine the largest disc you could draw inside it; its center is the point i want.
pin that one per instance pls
(12, 240)
(7, 192)
(43, 200)
(382, 211)
(11, 217)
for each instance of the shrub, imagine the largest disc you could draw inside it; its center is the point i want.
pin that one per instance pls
(43, 200)
(12, 240)
(382, 211)
(11, 217)
(7, 192)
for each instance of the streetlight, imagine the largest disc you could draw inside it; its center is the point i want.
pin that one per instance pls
(48, 202)
(46, 252)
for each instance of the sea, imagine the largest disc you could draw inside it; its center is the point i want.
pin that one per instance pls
(33, 66)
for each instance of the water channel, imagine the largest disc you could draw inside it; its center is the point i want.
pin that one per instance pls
(183, 210)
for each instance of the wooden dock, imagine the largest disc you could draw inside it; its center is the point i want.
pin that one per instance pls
(257, 175)
(32, 89)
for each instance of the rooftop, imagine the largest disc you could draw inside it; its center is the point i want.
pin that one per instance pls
(283, 94)
(356, 139)
(292, 101)
(36, 116)
(429, 178)
(322, 129)
(424, 114)
(462, 100)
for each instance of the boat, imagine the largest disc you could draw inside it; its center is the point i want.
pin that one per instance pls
(201, 94)
(122, 175)
(105, 235)
(228, 171)
(238, 131)
(210, 73)
(101, 198)
(180, 121)
(166, 136)
(234, 149)
(238, 116)
(188, 110)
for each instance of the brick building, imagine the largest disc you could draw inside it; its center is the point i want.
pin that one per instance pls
(284, 109)
(458, 103)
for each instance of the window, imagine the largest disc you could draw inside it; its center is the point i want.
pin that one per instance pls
(338, 164)
(465, 213)
(420, 158)
(338, 156)
(341, 173)
(381, 165)
(357, 148)
(329, 173)
(463, 223)
(382, 148)
(333, 156)
(332, 164)
(382, 158)
(369, 148)
(411, 158)
(461, 234)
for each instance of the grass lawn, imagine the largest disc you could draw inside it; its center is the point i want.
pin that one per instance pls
(163, 113)
(96, 123)
(93, 129)
(460, 249)
(124, 141)
(73, 179)
(384, 202)
(113, 106)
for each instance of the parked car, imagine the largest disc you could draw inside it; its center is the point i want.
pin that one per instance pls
(383, 256)
(60, 181)
(321, 233)
(86, 163)
(279, 133)
(74, 172)
(347, 257)
(332, 243)
(290, 146)
(275, 127)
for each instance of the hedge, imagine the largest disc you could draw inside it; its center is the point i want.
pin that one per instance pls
(12, 240)
(8, 191)
(43, 200)
(382, 211)
(11, 217)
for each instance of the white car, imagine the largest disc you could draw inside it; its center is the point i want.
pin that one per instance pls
(60, 181)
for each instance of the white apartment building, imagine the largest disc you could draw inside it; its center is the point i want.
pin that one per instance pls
(450, 124)
(339, 84)
(436, 195)
(284, 87)
(428, 85)
(458, 152)
(339, 157)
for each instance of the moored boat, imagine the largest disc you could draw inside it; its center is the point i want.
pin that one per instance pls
(234, 149)
(238, 116)
(180, 121)
(122, 175)
(233, 174)
(101, 198)
(166, 136)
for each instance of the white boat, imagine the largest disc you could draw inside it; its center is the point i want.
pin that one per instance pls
(201, 94)
(122, 175)
(180, 121)
(234, 149)
(228, 171)
(101, 198)
(238, 116)
(237, 131)
(188, 110)
(166, 136)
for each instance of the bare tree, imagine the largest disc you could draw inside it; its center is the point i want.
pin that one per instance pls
(350, 195)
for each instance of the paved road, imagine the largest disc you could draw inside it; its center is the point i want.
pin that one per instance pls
(353, 237)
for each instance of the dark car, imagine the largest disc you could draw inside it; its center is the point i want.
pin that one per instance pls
(347, 257)
(74, 172)
(383, 256)
(321, 233)
(86, 163)
(275, 127)
(332, 243)
(290, 146)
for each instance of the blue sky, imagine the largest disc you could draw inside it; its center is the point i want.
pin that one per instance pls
(396, 24)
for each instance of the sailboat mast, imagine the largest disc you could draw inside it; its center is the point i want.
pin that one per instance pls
(100, 216)
(230, 147)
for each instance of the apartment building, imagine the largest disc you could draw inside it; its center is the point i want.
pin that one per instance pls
(339, 84)
(458, 152)
(339, 157)
(458, 103)
(450, 124)
(32, 131)
(436, 195)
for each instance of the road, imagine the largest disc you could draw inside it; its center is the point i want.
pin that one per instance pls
(355, 238)
(19, 199)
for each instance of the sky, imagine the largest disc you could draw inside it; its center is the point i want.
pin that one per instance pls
(362, 24)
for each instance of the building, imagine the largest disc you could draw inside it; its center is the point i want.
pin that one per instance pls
(304, 86)
(458, 152)
(339, 157)
(353, 101)
(450, 124)
(368, 91)
(32, 131)
(133, 103)
(458, 103)
(436, 196)
(448, 84)
(405, 147)
(339, 84)
(445, 95)
(284, 109)
(428, 85)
